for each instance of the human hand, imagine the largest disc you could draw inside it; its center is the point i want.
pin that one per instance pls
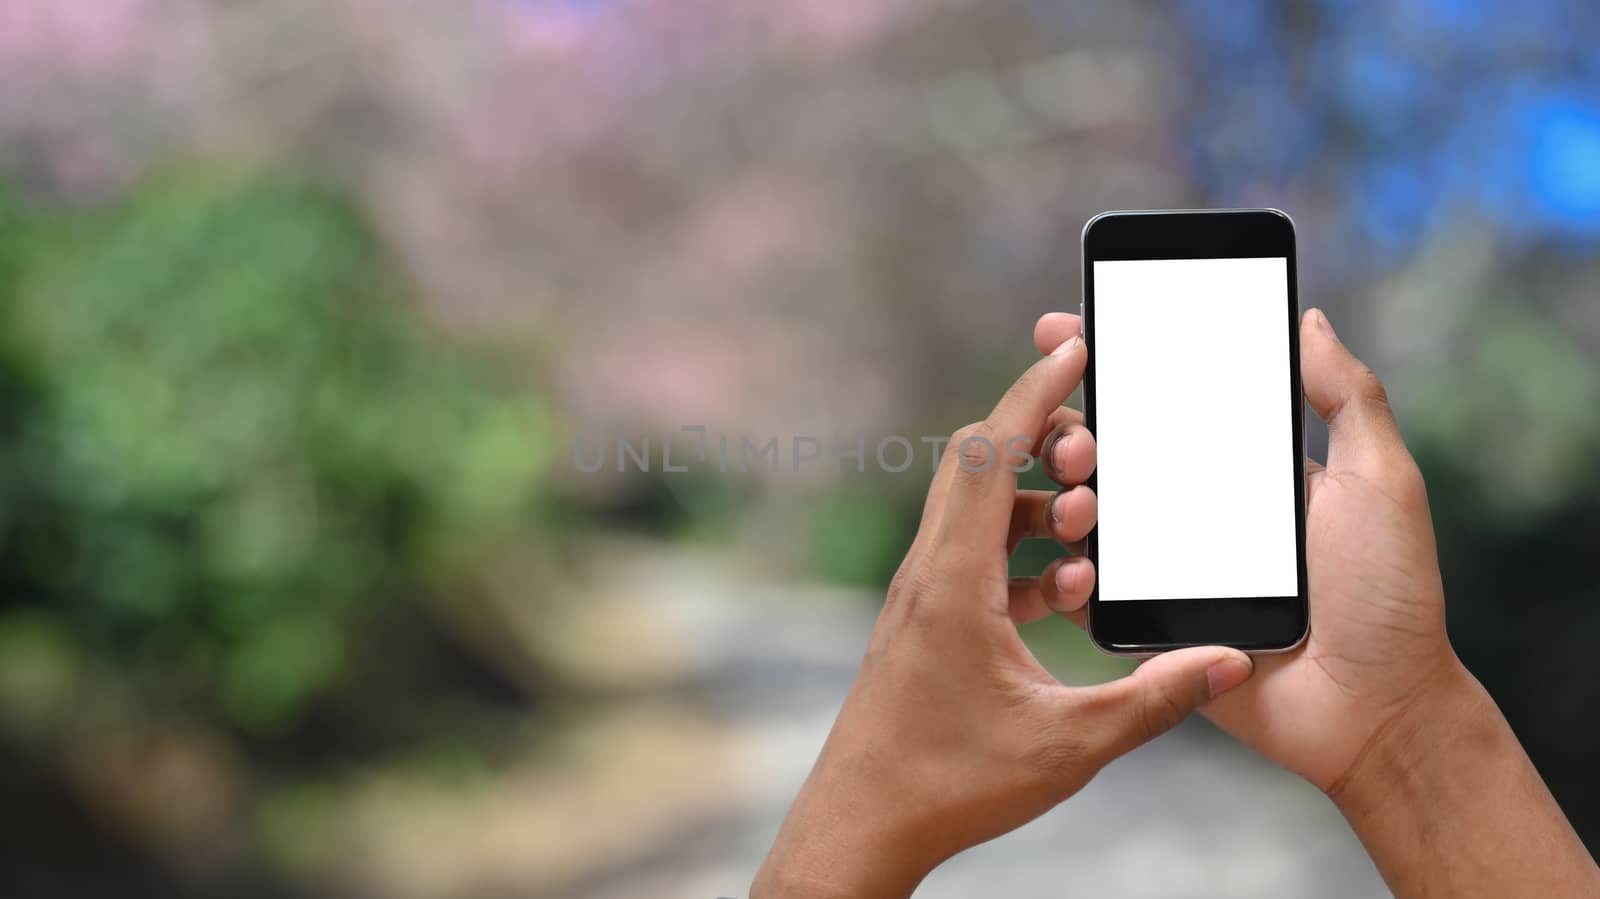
(953, 733)
(1377, 651)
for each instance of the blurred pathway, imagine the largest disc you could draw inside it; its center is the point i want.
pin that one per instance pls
(1193, 814)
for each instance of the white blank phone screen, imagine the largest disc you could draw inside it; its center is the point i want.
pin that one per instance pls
(1194, 429)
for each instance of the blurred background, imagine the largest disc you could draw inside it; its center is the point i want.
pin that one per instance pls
(307, 307)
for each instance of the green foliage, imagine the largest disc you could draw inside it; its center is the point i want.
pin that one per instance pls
(222, 435)
(295, 826)
(38, 672)
(859, 537)
(1518, 411)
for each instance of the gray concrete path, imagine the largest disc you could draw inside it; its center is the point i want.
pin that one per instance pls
(1191, 815)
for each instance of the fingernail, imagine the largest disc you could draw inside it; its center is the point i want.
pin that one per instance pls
(1053, 510)
(1066, 583)
(1048, 454)
(1323, 323)
(1058, 453)
(1228, 673)
(1068, 345)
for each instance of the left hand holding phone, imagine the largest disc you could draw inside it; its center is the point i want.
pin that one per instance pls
(953, 734)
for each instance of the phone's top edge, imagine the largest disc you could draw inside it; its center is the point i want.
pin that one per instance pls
(1269, 210)
(1272, 209)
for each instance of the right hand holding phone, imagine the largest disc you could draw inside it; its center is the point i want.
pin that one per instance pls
(1376, 662)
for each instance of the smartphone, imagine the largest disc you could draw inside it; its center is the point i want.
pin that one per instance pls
(1193, 395)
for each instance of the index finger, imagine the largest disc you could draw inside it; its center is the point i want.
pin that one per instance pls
(982, 486)
(1040, 392)
(1054, 328)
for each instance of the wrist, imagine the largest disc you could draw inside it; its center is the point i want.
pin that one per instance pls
(842, 843)
(829, 865)
(1447, 803)
(806, 875)
(1445, 729)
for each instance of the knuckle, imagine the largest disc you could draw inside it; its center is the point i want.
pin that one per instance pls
(913, 577)
(1370, 388)
(974, 447)
(899, 584)
(911, 581)
(913, 601)
(974, 458)
(1160, 712)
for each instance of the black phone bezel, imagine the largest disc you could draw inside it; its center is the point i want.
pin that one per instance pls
(1257, 624)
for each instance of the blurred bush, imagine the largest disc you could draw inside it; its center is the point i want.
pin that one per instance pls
(226, 445)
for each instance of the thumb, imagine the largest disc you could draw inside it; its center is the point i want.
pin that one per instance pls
(1124, 714)
(1347, 395)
